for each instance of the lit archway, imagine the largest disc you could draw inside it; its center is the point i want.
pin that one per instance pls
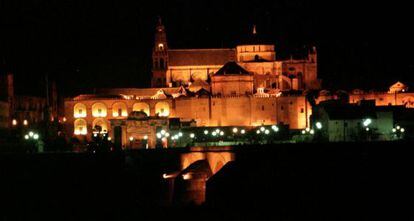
(119, 109)
(144, 107)
(80, 127)
(99, 110)
(101, 123)
(162, 109)
(79, 110)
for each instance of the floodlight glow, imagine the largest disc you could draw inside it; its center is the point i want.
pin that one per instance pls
(131, 138)
(159, 135)
(26, 137)
(318, 125)
(367, 122)
(192, 135)
(206, 132)
(235, 130)
(262, 129)
(31, 134)
(36, 136)
(145, 137)
(242, 131)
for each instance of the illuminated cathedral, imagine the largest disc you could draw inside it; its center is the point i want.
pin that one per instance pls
(245, 86)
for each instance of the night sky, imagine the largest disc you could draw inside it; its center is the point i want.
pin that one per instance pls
(89, 44)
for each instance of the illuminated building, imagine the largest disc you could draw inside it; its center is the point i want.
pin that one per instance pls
(241, 86)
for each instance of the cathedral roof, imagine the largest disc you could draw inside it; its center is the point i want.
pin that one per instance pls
(232, 68)
(199, 57)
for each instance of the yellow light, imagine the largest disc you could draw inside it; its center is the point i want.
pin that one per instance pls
(25, 123)
(64, 119)
(14, 122)
(109, 138)
(235, 130)
(187, 176)
(131, 138)
(145, 137)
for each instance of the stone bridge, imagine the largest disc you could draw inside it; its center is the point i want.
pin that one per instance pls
(197, 165)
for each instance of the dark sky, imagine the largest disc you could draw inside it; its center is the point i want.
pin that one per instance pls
(86, 44)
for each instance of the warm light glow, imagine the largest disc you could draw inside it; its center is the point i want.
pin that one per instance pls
(398, 127)
(367, 129)
(131, 138)
(159, 135)
(192, 135)
(144, 107)
(402, 130)
(180, 134)
(167, 134)
(109, 138)
(64, 119)
(206, 132)
(187, 176)
(267, 131)
(119, 109)
(25, 123)
(99, 110)
(262, 129)
(36, 136)
(145, 137)
(311, 131)
(258, 131)
(14, 122)
(26, 137)
(31, 134)
(242, 131)
(163, 132)
(235, 130)
(79, 110)
(221, 133)
(275, 128)
(214, 133)
(162, 109)
(80, 127)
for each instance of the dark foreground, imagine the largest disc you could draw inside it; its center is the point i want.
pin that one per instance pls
(283, 182)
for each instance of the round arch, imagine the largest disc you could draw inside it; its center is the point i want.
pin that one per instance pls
(144, 107)
(102, 123)
(79, 110)
(119, 109)
(80, 127)
(162, 109)
(99, 110)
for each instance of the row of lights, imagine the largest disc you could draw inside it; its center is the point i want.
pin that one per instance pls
(31, 135)
(398, 129)
(25, 122)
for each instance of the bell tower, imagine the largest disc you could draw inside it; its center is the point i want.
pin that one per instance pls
(159, 56)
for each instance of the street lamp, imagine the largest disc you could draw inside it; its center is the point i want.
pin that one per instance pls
(318, 125)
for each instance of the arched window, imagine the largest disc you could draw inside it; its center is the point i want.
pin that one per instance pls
(80, 127)
(99, 110)
(79, 110)
(101, 123)
(119, 109)
(144, 107)
(162, 109)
